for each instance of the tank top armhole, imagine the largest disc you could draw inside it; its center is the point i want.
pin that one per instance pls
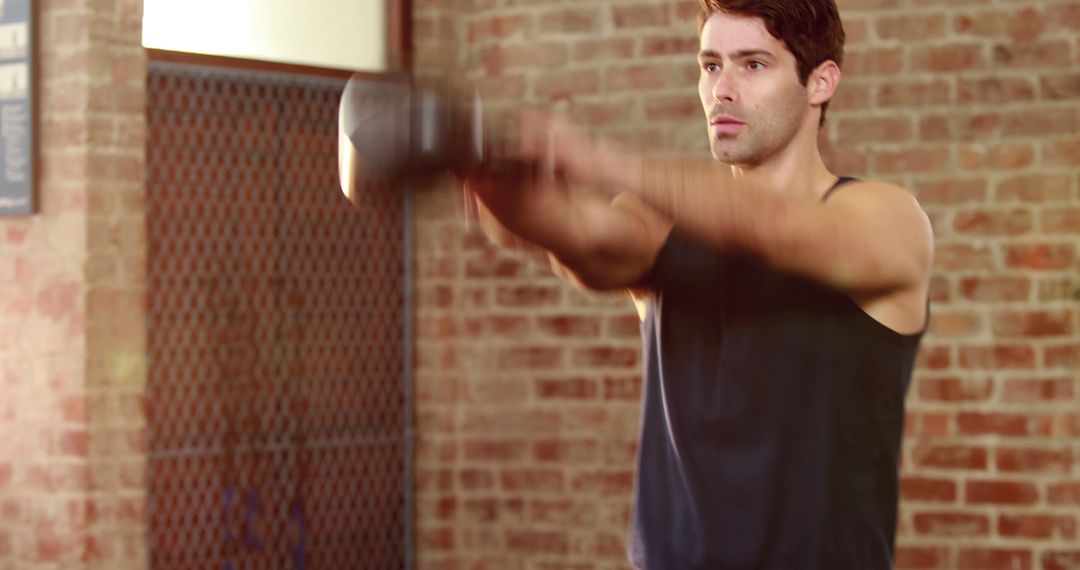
(841, 181)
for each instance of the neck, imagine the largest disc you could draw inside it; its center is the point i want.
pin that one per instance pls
(797, 171)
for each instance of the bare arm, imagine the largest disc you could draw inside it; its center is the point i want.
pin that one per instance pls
(870, 236)
(593, 240)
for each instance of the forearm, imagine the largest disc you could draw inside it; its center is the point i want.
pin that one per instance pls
(549, 219)
(706, 201)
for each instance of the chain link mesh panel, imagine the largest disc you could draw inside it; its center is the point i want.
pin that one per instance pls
(277, 398)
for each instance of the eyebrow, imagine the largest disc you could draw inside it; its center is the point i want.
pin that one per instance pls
(743, 53)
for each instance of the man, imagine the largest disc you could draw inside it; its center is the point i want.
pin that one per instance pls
(783, 306)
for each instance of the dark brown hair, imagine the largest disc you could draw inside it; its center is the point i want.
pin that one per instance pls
(811, 29)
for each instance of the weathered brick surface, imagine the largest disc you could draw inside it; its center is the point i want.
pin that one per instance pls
(527, 390)
(71, 305)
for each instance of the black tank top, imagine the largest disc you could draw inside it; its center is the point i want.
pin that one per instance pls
(772, 417)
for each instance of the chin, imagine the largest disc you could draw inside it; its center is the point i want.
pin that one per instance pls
(733, 156)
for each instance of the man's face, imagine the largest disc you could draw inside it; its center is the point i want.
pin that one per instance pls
(750, 90)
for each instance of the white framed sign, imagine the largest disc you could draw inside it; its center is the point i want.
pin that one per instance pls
(17, 151)
(340, 34)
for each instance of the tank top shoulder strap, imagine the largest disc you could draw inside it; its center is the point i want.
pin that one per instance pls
(840, 182)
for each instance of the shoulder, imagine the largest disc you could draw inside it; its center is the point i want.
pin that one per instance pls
(886, 210)
(881, 201)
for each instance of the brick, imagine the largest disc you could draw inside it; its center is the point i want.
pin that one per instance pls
(910, 27)
(951, 524)
(501, 326)
(924, 489)
(570, 21)
(1034, 188)
(1051, 121)
(985, 24)
(623, 388)
(993, 223)
(1001, 356)
(935, 357)
(569, 389)
(1064, 493)
(603, 49)
(670, 45)
(1061, 152)
(1040, 256)
(1036, 390)
(856, 30)
(499, 58)
(537, 542)
(567, 451)
(1060, 221)
(996, 289)
(940, 290)
(624, 326)
(870, 5)
(569, 326)
(529, 358)
(476, 479)
(496, 27)
(1007, 324)
(916, 159)
(954, 389)
(997, 423)
(1064, 356)
(499, 391)
(668, 107)
(952, 191)
(1025, 25)
(649, 76)
(951, 457)
(1053, 289)
(948, 58)
(920, 557)
(1031, 56)
(995, 90)
(1060, 86)
(1000, 493)
(435, 539)
(1028, 460)
(1063, 16)
(532, 480)
(480, 510)
(604, 483)
(493, 268)
(1003, 156)
(635, 16)
(1060, 560)
(527, 296)
(994, 559)
(605, 357)
(493, 450)
(567, 85)
(890, 129)
(936, 129)
(873, 61)
(1039, 527)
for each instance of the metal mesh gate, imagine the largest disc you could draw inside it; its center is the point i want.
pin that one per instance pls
(277, 398)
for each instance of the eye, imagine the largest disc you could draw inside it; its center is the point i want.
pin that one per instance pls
(755, 65)
(710, 67)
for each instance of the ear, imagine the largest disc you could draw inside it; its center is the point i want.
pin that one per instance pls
(822, 83)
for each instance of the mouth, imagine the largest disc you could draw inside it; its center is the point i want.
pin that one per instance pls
(726, 126)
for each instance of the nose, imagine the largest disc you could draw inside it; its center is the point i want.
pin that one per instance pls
(723, 89)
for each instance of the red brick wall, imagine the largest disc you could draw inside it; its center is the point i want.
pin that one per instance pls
(71, 311)
(527, 390)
